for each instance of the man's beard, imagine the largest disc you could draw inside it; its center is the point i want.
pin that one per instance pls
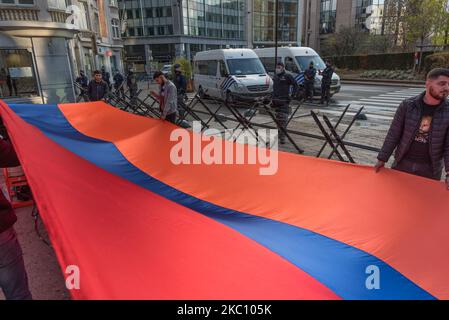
(435, 95)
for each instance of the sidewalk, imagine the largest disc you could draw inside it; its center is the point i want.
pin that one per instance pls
(44, 274)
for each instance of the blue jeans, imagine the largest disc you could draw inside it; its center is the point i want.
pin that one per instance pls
(13, 277)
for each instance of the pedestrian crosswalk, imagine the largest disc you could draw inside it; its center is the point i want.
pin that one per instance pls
(381, 106)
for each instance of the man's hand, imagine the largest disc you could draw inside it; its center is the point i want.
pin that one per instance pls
(379, 165)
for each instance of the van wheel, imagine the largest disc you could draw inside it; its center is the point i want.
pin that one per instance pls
(201, 92)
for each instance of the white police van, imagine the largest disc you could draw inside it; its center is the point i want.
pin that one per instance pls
(296, 61)
(230, 75)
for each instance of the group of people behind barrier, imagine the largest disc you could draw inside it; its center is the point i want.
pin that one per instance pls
(99, 87)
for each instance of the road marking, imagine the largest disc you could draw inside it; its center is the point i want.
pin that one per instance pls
(350, 113)
(376, 101)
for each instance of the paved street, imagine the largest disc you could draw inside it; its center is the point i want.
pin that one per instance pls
(46, 279)
(379, 101)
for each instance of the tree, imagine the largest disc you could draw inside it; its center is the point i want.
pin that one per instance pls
(441, 36)
(347, 41)
(393, 20)
(421, 20)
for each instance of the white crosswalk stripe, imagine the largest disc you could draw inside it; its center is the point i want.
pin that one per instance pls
(382, 106)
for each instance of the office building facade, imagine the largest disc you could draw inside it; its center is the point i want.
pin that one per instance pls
(44, 43)
(261, 23)
(324, 17)
(162, 30)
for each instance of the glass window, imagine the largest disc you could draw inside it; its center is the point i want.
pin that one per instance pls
(212, 68)
(269, 64)
(290, 65)
(202, 67)
(17, 76)
(168, 12)
(245, 66)
(115, 28)
(304, 62)
(328, 14)
(57, 4)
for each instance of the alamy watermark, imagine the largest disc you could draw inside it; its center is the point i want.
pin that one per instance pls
(209, 148)
(373, 280)
(72, 281)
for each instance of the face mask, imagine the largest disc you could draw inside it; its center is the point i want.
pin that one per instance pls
(279, 70)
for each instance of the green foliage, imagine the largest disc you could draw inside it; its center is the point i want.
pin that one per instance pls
(389, 74)
(391, 61)
(186, 67)
(422, 18)
(437, 60)
(346, 41)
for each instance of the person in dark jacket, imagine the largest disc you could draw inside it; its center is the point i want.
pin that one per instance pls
(83, 82)
(118, 84)
(131, 82)
(97, 89)
(309, 81)
(13, 277)
(106, 76)
(326, 82)
(420, 131)
(282, 83)
(180, 82)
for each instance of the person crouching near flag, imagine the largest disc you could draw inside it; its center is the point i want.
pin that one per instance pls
(167, 97)
(13, 276)
(420, 131)
(282, 82)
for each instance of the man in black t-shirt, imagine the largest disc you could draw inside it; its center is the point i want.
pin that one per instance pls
(419, 148)
(420, 131)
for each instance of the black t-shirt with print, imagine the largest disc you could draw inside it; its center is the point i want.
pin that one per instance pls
(419, 149)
